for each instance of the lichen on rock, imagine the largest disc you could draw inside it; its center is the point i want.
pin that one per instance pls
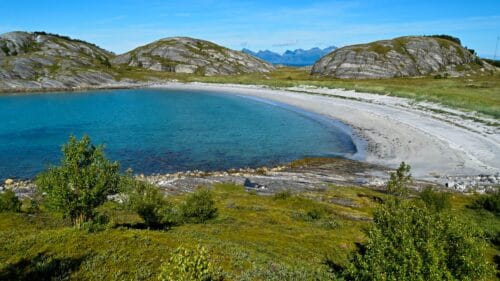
(399, 57)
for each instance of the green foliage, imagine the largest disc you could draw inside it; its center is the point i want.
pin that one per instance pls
(490, 202)
(256, 239)
(316, 213)
(279, 272)
(5, 49)
(104, 61)
(438, 201)
(492, 62)
(398, 184)
(471, 51)
(189, 265)
(81, 182)
(379, 48)
(447, 37)
(65, 38)
(150, 204)
(31, 206)
(409, 241)
(42, 267)
(282, 195)
(98, 223)
(9, 202)
(199, 207)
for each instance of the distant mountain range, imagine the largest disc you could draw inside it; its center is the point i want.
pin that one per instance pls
(299, 57)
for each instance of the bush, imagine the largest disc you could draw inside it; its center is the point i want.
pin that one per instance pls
(398, 184)
(9, 202)
(81, 183)
(489, 203)
(316, 213)
(98, 223)
(189, 265)
(31, 206)
(437, 201)
(199, 207)
(282, 195)
(447, 37)
(409, 241)
(275, 271)
(150, 204)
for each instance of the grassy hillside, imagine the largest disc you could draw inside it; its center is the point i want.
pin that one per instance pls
(254, 237)
(480, 93)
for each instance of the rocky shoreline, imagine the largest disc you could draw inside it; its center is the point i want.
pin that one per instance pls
(314, 175)
(458, 154)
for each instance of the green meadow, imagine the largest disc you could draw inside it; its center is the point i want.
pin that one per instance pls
(253, 237)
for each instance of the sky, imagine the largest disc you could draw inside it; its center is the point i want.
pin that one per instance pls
(121, 25)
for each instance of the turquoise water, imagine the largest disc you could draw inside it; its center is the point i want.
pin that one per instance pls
(160, 131)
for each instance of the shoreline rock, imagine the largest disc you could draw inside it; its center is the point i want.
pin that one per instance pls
(314, 177)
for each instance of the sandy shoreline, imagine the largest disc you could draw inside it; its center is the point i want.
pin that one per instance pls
(436, 141)
(432, 144)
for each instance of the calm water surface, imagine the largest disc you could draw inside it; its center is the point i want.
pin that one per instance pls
(159, 131)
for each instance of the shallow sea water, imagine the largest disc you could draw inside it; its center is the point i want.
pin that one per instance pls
(161, 131)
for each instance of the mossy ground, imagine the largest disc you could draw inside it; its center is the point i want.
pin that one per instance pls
(254, 237)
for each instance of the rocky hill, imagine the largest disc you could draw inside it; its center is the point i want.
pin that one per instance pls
(400, 57)
(40, 60)
(188, 55)
(298, 57)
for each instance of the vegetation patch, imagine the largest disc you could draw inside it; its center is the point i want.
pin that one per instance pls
(379, 48)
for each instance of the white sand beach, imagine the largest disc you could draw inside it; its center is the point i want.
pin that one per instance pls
(434, 143)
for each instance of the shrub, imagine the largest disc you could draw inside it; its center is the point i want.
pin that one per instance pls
(437, 201)
(275, 271)
(489, 203)
(31, 206)
(150, 204)
(282, 195)
(398, 184)
(81, 182)
(98, 223)
(199, 207)
(409, 241)
(316, 213)
(189, 265)
(447, 37)
(9, 202)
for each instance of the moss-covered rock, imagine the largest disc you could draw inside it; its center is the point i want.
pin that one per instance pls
(399, 57)
(188, 55)
(42, 60)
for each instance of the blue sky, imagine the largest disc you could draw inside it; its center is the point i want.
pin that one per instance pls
(276, 25)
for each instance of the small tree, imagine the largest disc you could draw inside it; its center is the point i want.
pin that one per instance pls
(409, 241)
(489, 202)
(81, 182)
(9, 202)
(398, 184)
(435, 200)
(199, 207)
(149, 203)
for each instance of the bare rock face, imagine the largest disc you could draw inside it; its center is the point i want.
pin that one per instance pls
(399, 57)
(39, 60)
(188, 55)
